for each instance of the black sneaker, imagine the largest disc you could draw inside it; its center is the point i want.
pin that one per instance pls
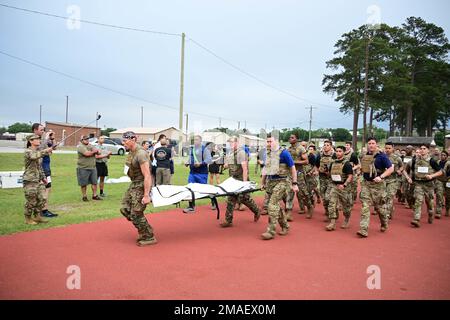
(96, 198)
(48, 214)
(189, 210)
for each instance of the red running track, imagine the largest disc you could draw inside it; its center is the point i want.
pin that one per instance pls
(195, 259)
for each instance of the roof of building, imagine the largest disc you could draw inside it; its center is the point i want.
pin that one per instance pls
(246, 136)
(140, 130)
(69, 125)
(411, 140)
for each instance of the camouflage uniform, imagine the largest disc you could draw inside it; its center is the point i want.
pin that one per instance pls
(424, 188)
(392, 184)
(405, 186)
(234, 160)
(354, 183)
(33, 186)
(338, 196)
(304, 195)
(372, 193)
(277, 190)
(439, 187)
(447, 188)
(325, 179)
(132, 207)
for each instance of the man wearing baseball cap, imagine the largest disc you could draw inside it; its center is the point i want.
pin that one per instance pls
(86, 170)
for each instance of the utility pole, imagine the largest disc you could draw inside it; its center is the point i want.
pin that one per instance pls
(187, 123)
(245, 124)
(67, 109)
(366, 91)
(180, 144)
(96, 121)
(239, 125)
(310, 121)
(40, 114)
(220, 122)
(142, 117)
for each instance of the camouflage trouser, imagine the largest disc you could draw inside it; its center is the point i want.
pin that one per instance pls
(354, 185)
(391, 190)
(277, 190)
(439, 188)
(373, 194)
(133, 209)
(35, 200)
(447, 198)
(303, 196)
(311, 182)
(423, 190)
(343, 197)
(241, 198)
(409, 194)
(325, 184)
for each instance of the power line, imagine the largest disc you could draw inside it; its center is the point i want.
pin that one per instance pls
(90, 21)
(250, 75)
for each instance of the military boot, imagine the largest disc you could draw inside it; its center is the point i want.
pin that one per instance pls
(362, 233)
(331, 226)
(310, 213)
(430, 218)
(226, 224)
(30, 221)
(346, 223)
(146, 242)
(289, 215)
(267, 236)
(415, 223)
(284, 231)
(384, 228)
(37, 218)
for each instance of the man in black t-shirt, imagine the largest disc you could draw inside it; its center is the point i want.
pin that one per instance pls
(163, 154)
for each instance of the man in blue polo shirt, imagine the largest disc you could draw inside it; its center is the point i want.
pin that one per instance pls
(279, 165)
(376, 167)
(199, 158)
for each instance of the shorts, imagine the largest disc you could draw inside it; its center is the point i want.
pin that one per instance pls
(198, 178)
(214, 168)
(86, 176)
(102, 169)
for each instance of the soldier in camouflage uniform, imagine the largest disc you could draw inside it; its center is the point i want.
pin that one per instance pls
(446, 173)
(440, 185)
(279, 165)
(375, 168)
(323, 162)
(341, 171)
(300, 157)
(34, 181)
(392, 181)
(351, 156)
(312, 174)
(237, 163)
(137, 197)
(424, 170)
(406, 187)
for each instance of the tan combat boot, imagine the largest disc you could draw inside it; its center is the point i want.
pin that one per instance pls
(289, 215)
(226, 224)
(310, 213)
(384, 228)
(415, 223)
(331, 226)
(267, 236)
(362, 233)
(148, 242)
(30, 221)
(346, 223)
(283, 232)
(37, 218)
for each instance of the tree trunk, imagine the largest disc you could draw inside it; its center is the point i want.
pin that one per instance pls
(366, 98)
(371, 123)
(409, 110)
(429, 128)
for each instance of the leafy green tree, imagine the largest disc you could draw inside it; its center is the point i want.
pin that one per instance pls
(19, 127)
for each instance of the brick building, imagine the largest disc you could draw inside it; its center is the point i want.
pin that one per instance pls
(63, 129)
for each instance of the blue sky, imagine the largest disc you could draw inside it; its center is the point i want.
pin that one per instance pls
(284, 43)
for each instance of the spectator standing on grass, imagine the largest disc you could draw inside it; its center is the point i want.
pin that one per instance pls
(86, 170)
(101, 163)
(163, 155)
(49, 142)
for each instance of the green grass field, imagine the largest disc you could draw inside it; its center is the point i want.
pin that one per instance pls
(65, 198)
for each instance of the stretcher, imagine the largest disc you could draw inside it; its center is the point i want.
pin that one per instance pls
(164, 195)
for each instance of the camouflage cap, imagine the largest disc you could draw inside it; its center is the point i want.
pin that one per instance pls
(33, 137)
